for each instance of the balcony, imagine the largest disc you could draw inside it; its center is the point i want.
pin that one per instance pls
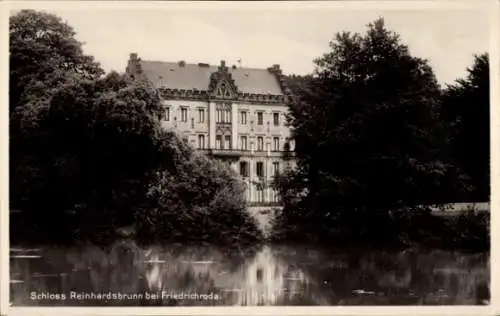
(235, 153)
(265, 204)
(281, 153)
(248, 153)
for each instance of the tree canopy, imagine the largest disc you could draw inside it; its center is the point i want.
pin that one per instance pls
(43, 52)
(369, 140)
(466, 109)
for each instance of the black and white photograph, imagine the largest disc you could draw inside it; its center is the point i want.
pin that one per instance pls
(238, 154)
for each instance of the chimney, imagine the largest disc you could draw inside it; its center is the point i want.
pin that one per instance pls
(133, 66)
(182, 63)
(275, 69)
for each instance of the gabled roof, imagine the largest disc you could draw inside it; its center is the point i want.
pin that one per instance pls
(179, 75)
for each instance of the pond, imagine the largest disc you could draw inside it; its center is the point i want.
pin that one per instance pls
(126, 274)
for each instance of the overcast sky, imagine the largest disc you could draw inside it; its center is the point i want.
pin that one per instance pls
(288, 33)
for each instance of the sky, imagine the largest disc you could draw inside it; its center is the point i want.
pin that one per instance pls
(291, 34)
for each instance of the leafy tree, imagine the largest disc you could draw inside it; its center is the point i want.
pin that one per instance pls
(44, 55)
(466, 108)
(368, 140)
(195, 199)
(43, 52)
(96, 146)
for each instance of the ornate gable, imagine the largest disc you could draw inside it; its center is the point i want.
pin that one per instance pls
(222, 85)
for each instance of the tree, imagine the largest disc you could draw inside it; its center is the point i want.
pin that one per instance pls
(195, 199)
(95, 146)
(368, 139)
(466, 109)
(43, 53)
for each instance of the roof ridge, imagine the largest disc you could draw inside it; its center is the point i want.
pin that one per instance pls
(197, 64)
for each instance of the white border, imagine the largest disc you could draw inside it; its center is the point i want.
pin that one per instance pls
(4, 161)
(492, 309)
(236, 311)
(254, 5)
(495, 153)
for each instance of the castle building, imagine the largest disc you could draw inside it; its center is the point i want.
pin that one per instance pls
(231, 113)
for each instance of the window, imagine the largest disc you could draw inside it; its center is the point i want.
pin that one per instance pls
(228, 116)
(201, 115)
(276, 143)
(219, 116)
(287, 144)
(184, 115)
(260, 118)
(244, 169)
(201, 141)
(260, 194)
(259, 169)
(276, 168)
(243, 118)
(276, 119)
(227, 142)
(275, 195)
(243, 143)
(260, 143)
(218, 142)
(167, 114)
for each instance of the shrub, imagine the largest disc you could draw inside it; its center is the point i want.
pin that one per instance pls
(196, 199)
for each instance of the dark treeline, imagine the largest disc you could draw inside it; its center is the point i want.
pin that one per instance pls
(378, 141)
(89, 160)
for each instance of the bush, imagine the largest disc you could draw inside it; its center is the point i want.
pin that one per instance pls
(467, 231)
(196, 199)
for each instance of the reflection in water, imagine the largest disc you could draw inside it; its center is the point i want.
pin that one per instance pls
(129, 275)
(264, 280)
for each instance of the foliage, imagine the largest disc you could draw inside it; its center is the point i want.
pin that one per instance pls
(470, 230)
(43, 52)
(198, 199)
(466, 109)
(91, 150)
(89, 156)
(369, 142)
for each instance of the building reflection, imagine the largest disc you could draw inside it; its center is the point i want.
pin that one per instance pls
(269, 275)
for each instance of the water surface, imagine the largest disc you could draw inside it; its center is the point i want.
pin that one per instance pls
(128, 275)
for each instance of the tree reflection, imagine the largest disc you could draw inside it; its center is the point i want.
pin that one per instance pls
(270, 275)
